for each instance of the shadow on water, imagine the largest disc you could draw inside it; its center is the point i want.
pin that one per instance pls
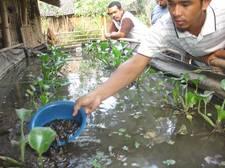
(135, 128)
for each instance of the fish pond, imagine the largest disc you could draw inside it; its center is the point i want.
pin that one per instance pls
(138, 127)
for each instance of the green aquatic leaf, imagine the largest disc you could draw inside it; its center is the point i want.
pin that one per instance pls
(169, 162)
(24, 114)
(220, 113)
(122, 130)
(222, 84)
(40, 139)
(190, 99)
(137, 144)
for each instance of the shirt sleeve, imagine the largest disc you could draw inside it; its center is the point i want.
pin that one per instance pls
(126, 25)
(112, 28)
(160, 38)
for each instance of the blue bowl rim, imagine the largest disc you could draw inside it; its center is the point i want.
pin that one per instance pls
(72, 137)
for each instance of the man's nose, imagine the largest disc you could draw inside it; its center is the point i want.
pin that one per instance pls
(177, 10)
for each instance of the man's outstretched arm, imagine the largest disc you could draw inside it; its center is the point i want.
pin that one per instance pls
(124, 75)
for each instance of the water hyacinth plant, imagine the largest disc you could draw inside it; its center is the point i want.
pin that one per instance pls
(189, 99)
(110, 52)
(42, 90)
(24, 115)
(40, 139)
(220, 109)
(182, 95)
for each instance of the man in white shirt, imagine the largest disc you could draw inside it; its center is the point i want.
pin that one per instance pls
(159, 10)
(124, 24)
(194, 27)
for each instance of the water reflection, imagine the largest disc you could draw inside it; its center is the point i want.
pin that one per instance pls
(134, 128)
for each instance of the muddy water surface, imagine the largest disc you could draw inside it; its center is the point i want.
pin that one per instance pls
(135, 128)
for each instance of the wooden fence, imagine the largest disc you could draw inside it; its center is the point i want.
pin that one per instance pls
(70, 38)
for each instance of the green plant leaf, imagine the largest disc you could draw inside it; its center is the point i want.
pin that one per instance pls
(191, 99)
(207, 94)
(220, 113)
(209, 120)
(24, 114)
(137, 144)
(169, 162)
(40, 138)
(222, 84)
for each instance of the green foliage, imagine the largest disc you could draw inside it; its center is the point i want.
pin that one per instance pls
(220, 109)
(40, 139)
(96, 163)
(222, 84)
(169, 162)
(44, 87)
(23, 115)
(93, 7)
(111, 53)
(220, 113)
(189, 99)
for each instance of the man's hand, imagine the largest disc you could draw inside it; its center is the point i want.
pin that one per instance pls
(126, 73)
(89, 102)
(115, 35)
(107, 35)
(208, 59)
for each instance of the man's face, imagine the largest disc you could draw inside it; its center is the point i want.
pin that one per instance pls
(115, 13)
(187, 14)
(162, 3)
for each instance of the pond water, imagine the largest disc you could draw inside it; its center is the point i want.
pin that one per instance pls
(135, 128)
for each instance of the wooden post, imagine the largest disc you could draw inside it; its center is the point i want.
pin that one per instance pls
(24, 11)
(104, 27)
(5, 24)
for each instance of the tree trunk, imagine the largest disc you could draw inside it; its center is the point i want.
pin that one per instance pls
(5, 24)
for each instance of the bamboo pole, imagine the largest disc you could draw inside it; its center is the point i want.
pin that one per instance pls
(5, 24)
(104, 27)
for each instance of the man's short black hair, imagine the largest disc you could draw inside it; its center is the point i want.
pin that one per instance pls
(115, 3)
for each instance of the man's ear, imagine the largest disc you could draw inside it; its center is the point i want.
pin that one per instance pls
(205, 4)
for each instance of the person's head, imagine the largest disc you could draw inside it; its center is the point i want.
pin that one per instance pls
(162, 3)
(115, 10)
(188, 15)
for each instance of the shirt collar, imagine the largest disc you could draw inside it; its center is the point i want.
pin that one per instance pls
(208, 27)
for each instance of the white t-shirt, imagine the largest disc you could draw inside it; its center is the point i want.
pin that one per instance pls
(138, 32)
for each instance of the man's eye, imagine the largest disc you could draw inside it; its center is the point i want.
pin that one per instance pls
(185, 4)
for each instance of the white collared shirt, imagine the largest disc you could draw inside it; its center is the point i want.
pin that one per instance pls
(164, 36)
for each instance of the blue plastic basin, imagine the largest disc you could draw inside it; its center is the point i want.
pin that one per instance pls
(59, 110)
